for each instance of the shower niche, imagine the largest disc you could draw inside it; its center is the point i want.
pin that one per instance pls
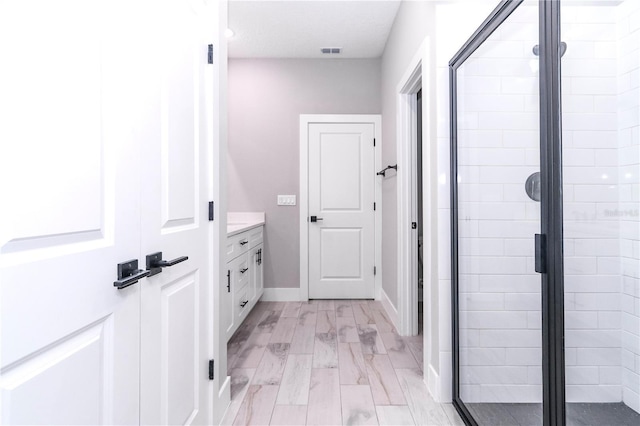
(545, 139)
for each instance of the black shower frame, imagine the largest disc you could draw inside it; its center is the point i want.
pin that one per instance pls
(552, 281)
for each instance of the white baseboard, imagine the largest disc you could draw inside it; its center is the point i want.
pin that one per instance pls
(221, 405)
(279, 294)
(433, 384)
(391, 310)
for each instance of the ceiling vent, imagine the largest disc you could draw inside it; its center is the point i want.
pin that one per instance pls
(331, 50)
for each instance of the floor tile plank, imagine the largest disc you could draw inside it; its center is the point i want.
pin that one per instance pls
(357, 405)
(353, 370)
(324, 398)
(394, 415)
(271, 367)
(383, 381)
(370, 339)
(283, 332)
(251, 353)
(398, 351)
(257, 406)
(294, 387)
(347, 331)
(326, 322)
(303, 340)
(423, 408)
(325, 351)
(289, 415)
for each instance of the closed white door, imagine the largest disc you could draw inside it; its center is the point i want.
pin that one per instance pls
(69, 347)
(341, 208)
(175, 332)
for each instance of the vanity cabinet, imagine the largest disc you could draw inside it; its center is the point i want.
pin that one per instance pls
(245, 256)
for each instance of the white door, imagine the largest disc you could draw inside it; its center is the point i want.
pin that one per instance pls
(69, 347)
(341, 196)
(175, 341)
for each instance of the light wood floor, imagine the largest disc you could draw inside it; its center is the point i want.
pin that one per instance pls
(328, 362)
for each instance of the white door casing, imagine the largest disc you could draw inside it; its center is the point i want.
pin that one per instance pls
(340, 159)
(69, 351)
(174, 340)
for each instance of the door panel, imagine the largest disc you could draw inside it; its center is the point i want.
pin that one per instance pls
(341, 195)
(69, 338)
(175, 344)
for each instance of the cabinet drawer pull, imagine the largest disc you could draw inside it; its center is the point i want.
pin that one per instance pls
(228, 281)
(243, 270)
(243, 242)
(243, 304)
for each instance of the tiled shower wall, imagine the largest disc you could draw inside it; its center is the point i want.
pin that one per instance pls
(591, 194)
(498, 149)
(628, 52)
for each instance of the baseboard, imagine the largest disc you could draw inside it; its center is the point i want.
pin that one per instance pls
(391, 310)
(279, 294)
(433, 383)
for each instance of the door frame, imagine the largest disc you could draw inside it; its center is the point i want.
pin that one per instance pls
(305, 121)
(415, 77)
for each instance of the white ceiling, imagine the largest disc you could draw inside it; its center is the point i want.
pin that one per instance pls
(300, 28)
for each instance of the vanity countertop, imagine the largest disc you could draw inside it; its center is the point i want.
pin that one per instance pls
(238, 222)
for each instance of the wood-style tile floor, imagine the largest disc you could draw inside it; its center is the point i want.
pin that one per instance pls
(328, 362)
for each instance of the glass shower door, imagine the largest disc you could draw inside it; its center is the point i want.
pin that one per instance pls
(496, 214)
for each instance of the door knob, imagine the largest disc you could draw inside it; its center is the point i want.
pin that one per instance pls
(128, 274)
(315, 219)
(155, 262)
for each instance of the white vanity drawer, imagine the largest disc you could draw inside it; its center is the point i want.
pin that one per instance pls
(237, 245)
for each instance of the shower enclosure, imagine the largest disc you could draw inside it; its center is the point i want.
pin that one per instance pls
(545, 194)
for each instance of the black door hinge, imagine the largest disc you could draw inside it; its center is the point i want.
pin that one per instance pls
(210, 54)
(541, 253)
(374, 141)
(414, 225)
(374, 270)
(210, 369)
(210, 210)
(374, 206)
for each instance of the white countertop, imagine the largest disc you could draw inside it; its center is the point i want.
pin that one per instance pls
(238, 222)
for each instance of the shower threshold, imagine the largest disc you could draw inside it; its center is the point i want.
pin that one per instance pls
(583, 414)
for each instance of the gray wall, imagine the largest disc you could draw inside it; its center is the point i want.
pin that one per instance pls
(266, 98)
(413, 23)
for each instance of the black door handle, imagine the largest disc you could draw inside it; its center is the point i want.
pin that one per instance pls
(128, 274)
(316, 219)
(228, 281)
(155, 262)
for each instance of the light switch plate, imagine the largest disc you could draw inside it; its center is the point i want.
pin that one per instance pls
(286, 200)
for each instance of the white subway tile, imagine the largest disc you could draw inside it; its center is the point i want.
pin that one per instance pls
(609, 320)
(575, 320)
(582, 375)
(481, 302)
(523, 301)
(610, 375)
(493, 375)
(592, 339)
(480, 247)
(579, 157)
(477, 138)
(510, 283)
(597, 301)
(524, 356)
(510, 338)
(534, 320)
(516, 121)
(482, 356)
(511, 229)
(584, 121)
(591, 393)
(580, 266)
(505, 174)
(522, 85)
(598, 356)
(577, 103)
(593, 85)
(493, 319)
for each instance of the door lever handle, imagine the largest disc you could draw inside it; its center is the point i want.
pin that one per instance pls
(155, 262)
(315, 219)
(128, 274)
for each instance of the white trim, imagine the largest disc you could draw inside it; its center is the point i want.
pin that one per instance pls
(392, 313)
(432, 380)
(281, 294)
(305, 120)
(415, 77)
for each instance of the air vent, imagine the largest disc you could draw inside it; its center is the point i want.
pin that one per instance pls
(331, 50)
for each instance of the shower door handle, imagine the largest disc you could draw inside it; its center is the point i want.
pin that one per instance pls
(541, 253)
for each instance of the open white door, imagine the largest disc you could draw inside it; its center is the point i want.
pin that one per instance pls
(174, 377)
(341, 222)
(69, 350)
